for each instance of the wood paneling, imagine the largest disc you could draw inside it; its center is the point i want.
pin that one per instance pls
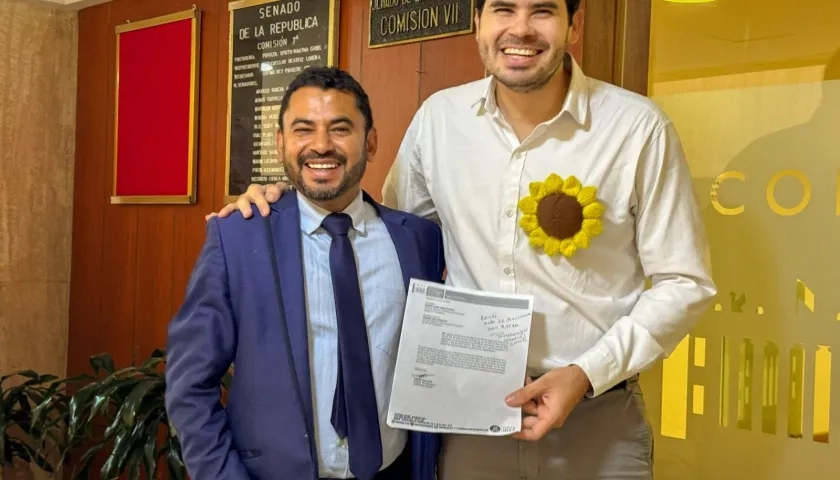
(90, 189)
(131, 264)
(633, 36)
(447, 62)
(599, 43)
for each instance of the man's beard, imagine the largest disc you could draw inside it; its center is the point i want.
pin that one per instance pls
(540, 78)
(318, 193)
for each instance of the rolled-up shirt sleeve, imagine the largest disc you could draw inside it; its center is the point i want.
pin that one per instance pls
(673, 252)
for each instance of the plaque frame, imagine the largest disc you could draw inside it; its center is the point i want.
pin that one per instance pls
(332, 61)
(189, 193)
(468, 31)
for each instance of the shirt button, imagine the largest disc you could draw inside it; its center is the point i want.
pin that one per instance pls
(508, 270)
(509, 213)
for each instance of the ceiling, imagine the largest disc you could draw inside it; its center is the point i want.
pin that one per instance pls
(70, 4)
(727, 36)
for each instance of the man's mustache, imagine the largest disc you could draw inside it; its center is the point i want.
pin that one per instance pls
(338, 157)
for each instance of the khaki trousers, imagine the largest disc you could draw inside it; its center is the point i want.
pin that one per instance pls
(605, 438)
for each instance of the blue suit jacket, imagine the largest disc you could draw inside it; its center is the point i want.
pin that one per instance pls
(231, 314)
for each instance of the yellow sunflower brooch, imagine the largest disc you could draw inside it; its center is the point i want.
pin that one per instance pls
(561, 216)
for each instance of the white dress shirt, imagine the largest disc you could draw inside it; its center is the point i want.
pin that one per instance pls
(461, 164)
(383, 300)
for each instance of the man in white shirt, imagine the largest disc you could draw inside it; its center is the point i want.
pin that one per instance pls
(550, 183)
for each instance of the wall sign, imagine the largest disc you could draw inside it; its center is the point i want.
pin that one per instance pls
(271, 42)
(393, 22)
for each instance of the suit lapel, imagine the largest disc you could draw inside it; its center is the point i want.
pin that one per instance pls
(404, 241)
(286, 227)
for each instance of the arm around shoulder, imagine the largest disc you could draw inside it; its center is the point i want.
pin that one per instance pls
(201, 348)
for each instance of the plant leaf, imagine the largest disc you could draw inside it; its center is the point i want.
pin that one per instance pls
(81, 471)
(103, 362)
(133, 402)
(176, 468)
(79, 405)
(125, 443)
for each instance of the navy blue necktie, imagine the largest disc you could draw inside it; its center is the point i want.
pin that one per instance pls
(355, 415)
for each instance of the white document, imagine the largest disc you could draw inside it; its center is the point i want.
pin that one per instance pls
(461, 353)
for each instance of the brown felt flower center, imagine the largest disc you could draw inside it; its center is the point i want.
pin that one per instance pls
(560, 215)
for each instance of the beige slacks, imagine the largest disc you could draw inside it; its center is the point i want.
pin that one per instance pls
(605, 438)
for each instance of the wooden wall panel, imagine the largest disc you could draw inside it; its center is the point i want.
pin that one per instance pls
(391, 79)
(633, 36)
(447, 62)
(119, 247)
(212, 105)
(154, 232)
(576, 49)
(598, 46)
(352, 38)
(90, 191)
(130, 263)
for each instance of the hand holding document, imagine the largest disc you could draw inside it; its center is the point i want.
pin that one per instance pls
(461, 353)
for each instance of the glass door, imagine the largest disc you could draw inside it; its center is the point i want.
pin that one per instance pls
(753, 87)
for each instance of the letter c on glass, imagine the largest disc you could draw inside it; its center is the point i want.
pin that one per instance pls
(716, 185)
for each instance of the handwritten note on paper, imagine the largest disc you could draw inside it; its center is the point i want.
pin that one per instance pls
(461, 352)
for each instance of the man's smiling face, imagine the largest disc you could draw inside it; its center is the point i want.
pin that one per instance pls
(323, 144)
(522, 43)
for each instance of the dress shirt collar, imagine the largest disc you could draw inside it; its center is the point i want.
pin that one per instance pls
(312, 215)
(576, 103)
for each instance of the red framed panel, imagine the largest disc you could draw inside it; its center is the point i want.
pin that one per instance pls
(156, 111)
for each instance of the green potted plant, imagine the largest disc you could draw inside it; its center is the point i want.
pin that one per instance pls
(120, 413)
(123, 412)
(24, 442)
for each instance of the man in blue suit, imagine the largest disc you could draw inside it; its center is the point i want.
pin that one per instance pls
(308, 306)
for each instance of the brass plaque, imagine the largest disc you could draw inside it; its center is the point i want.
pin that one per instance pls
(393, 22)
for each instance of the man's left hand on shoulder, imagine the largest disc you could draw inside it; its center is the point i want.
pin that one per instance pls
(547, 401)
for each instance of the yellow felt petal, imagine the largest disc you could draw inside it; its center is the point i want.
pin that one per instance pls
(552, 246)
(593, 210)
(537, 238)
(587, 195)
(529, 223)
(528, 205)
(553, 184)
(581, 239)
(571, 186)
(593, 227)
(537, 190)
(570, 250)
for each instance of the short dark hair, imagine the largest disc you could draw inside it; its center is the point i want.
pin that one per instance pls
(572, 6)
(328, 78)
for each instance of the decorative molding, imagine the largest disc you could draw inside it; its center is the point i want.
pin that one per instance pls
(69, 4)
